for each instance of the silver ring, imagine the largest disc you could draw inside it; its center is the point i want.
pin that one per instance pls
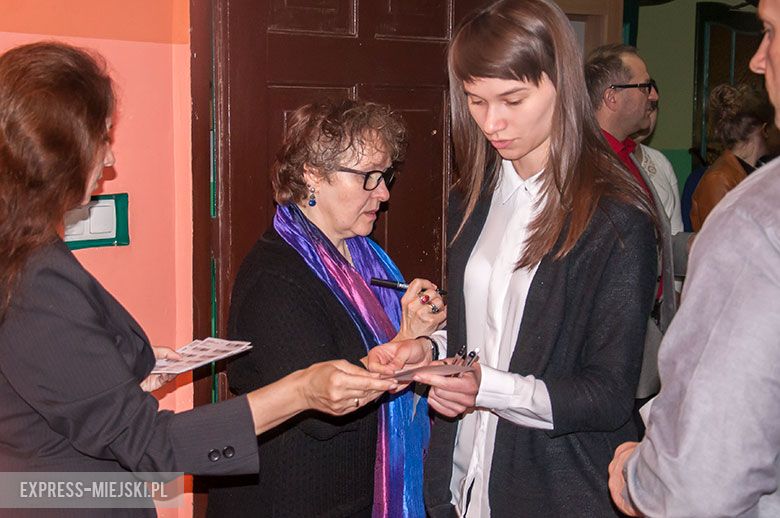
(357, 402)
(434, 308)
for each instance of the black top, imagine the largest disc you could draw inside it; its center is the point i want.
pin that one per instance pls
(582, 333)
(315, 464)
(746, 166)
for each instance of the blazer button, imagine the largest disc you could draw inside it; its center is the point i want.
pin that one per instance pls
(228, 452)
(214, 455)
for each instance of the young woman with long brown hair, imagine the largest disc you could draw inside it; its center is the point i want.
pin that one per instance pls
(552, 268)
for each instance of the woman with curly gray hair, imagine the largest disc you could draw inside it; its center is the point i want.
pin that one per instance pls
(303, 295)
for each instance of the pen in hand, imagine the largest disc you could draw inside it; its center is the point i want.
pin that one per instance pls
(460, 356)
(387, 283)
(471, 358)
(473, 355)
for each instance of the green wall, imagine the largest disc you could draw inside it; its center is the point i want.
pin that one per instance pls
(666, 39)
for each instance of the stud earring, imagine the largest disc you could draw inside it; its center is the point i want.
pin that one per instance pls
(312, 197)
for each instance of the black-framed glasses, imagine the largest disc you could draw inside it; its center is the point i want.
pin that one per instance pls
(643, 87)
(371, 179)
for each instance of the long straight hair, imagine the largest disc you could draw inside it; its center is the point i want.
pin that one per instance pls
(54, 103)
(522, 40)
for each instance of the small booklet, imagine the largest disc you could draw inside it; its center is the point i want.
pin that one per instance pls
(198, 353)
(441, 370)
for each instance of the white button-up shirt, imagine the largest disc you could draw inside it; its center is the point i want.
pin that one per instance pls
(495, 295)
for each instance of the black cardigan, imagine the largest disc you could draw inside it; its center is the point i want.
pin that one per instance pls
(582, 333)
(313, 465)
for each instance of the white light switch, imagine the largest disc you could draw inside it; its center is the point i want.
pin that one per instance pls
(102, 219)
(96, 220)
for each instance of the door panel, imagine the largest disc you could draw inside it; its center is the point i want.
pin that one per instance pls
(325, 16)
(414, 18)
(412, 229)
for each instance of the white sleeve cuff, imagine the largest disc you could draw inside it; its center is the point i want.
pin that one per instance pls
(495, 388)
(524, 400)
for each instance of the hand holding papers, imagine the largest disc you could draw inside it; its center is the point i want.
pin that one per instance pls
(454, 395)
(198, 353)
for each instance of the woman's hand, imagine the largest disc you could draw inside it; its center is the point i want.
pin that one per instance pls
(389, 358)
(394, 356)
(155, 381)
(337, 387)
(424, 310)
(452, 396)
(617, 483)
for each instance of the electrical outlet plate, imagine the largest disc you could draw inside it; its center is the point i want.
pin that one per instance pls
(102, 222)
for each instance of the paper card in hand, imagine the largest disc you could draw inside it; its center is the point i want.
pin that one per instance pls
(439, 370)
(198, 353)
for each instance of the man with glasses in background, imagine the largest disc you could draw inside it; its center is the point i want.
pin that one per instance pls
(624, 96)
(713, 440)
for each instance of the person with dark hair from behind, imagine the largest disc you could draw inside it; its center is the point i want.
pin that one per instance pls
(739, 119)
(74, 364)
(623, 96)
(552, 268)
(713, 435)
(302, 295)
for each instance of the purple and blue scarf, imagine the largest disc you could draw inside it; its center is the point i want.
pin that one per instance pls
(404, 427)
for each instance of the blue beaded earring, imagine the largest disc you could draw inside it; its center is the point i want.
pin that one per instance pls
(312, 197)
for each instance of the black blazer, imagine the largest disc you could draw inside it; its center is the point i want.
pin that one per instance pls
(71, 360)
(582, 333)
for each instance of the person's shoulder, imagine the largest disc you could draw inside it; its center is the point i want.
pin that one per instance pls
(271, 253)
(655, 155)
(459, 192)
(743, 229)
(725, 166)
(55, 281)
(619, 214)
(755, 198)
(616, 222)
(270, 264)
(55, 259)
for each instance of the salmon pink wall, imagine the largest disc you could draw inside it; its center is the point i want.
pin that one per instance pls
(160, 21)
(146, 46)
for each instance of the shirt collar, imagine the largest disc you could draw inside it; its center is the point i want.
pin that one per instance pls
(621, 147)
(509, 183)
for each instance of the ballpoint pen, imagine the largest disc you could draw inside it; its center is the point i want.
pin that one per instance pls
(387, 283)
(460, 356)
(473, 355)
